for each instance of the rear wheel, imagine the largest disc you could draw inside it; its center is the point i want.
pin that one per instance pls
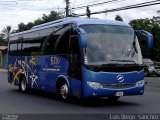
(23, 85)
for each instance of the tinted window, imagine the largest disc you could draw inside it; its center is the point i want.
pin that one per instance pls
(62, 43)
(14, 48)
(31, 47)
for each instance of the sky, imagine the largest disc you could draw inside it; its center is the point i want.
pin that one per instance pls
(13, 12)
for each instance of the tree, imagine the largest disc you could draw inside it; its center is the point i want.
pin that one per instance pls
(153, 26)
(6, 32)
(21, 27)
(118, 18)
(3, 42)
(45, 18)
(38, 21)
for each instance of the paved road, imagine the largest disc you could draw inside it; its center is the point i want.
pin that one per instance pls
(13, 101)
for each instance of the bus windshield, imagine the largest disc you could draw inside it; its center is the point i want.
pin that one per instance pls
(108, 44)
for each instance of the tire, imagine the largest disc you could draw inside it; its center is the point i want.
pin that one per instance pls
(113, 98)
(23, 85)
(63, 91)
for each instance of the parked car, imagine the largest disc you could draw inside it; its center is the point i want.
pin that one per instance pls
(149, 67)
(157, 68)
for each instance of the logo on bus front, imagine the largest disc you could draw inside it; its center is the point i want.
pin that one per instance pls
(55, 60)
(120, 78)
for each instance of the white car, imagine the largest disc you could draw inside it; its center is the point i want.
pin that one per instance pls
(149, 67)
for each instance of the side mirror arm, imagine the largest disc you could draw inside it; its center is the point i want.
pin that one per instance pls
(82, 34)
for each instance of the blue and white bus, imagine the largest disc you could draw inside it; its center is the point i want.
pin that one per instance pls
(78, 57)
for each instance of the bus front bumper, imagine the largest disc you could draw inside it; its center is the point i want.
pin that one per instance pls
(106, 92)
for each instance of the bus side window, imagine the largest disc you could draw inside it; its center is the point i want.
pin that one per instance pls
(48, 45)
(31, 47)
(62, 44)
(13, 49)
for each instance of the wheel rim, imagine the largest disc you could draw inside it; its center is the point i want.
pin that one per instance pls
(64, 91)
(23, 84)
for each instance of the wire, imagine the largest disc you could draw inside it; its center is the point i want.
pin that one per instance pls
(97, 4)
(7, 1)
(19, 8)
(87, 3)
(145, 4)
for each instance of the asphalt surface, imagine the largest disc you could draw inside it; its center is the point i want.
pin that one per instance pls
(13, 101)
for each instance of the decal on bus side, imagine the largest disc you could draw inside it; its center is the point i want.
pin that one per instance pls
(24, 69)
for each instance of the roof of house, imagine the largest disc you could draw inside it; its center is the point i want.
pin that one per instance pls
(3, 48)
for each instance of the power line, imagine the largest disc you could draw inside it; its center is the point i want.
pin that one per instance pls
(86, 3)
(7, 1)
(145, 4)
(26, 8)
(20, 0)
(97, 4)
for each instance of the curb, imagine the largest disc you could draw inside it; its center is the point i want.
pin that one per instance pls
(3, 70)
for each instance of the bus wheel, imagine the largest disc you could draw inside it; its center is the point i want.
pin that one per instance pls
(23, 85)
(63, 91)
(113, 98)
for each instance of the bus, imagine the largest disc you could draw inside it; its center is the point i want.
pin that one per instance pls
(78, 57)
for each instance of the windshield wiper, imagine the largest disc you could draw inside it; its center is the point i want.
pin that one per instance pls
(118, 60)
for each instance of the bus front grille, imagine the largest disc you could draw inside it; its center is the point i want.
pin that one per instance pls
(119, 86)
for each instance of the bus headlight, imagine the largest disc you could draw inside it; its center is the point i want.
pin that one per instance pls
(95, 85)
(140, 83)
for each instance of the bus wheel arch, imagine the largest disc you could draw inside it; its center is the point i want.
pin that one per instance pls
(62, 88)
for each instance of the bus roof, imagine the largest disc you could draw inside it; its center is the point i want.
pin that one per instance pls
(74, 20)
(80, 21)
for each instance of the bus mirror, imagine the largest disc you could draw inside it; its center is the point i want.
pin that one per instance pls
(150, 42)
(83, 40)
(148, 35)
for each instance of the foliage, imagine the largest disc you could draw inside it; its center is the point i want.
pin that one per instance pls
(6, 32)
(45, 18)
(3, 42)
(153, 26)
(118, 18)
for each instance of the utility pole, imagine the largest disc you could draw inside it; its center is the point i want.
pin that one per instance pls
(67, 7)
(88, 12)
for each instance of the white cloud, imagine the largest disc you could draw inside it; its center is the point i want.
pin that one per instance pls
(24, 11)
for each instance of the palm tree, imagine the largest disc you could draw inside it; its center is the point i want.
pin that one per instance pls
(6, 32)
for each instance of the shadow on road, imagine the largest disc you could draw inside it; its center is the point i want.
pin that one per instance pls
(92, 102)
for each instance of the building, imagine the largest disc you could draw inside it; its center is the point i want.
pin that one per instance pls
(3, 56)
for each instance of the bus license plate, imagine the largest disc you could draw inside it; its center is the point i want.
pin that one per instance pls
(119, 93)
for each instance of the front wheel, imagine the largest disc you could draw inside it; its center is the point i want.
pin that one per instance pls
(63, 91)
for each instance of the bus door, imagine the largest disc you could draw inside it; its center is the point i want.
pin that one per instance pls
(75, 71)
